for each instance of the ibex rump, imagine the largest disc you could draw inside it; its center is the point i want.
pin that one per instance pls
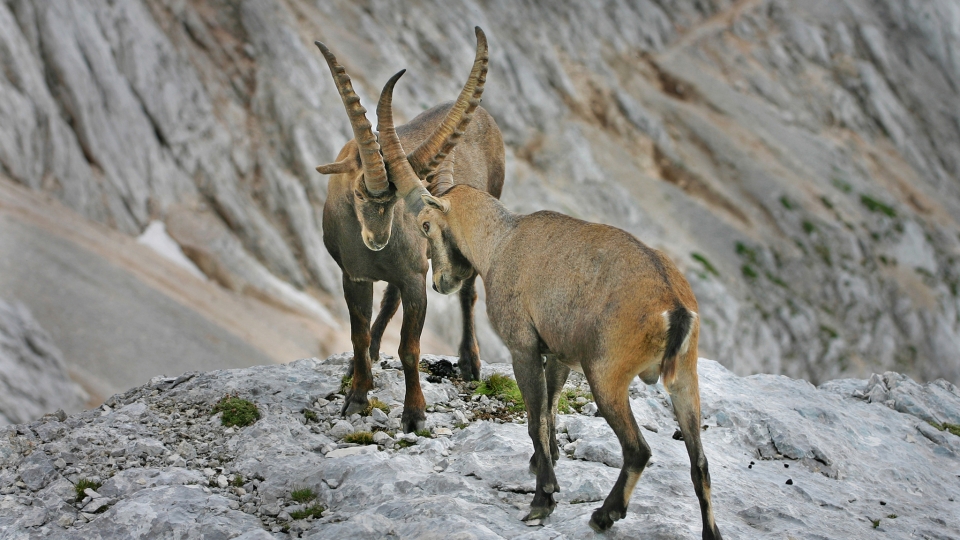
(589, 297)
(369, 219)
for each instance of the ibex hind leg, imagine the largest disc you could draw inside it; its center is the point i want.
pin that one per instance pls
(469, 362)
(556, 376)
(388, 308)
(359, 297)
(610, 392)
(685, 394)
(528, 369)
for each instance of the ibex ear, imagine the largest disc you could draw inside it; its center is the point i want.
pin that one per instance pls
(344, 166)
(440, 204)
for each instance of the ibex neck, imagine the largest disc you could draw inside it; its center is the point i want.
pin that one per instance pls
(484, 225)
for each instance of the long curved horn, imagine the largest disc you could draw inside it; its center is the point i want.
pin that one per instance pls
(401, 173)
(426, 157)
(374, 172)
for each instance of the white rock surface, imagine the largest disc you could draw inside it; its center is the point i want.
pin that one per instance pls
(849, 461)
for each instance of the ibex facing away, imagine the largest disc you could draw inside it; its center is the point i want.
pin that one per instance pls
(589, 297)
(369, 219)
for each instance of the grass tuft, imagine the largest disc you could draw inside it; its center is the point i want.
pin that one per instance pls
(876, 206)
(424, 433)
(310, 415)
(749, 272)
(875, 522)
(706, 264)
(314, 511)
(83, 484)
(236, 411)
(359, 437)
(303, 495)
(403, 443)
(345, 384)
(503, 388)
(375, 404)
(237, 481)
(947, 426)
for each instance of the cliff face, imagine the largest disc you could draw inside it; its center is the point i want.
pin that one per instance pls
(787, 459)
(799, 160)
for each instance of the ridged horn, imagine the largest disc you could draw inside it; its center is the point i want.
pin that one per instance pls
(398, 168)
(374, 172)
(338, 167)
(441, 142)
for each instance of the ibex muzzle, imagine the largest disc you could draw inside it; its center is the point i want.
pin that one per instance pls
(588, 297)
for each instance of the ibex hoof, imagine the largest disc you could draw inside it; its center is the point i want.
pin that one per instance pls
(469, 367)
(354, 405)
(602, 520)
(411, 425)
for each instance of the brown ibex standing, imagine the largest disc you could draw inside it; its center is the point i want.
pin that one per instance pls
(369, 219)
(590, 297)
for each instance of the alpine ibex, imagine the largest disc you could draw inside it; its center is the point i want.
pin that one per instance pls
(589, 297)
(369, 219)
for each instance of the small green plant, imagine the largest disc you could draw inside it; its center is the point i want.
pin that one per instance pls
(946, 426)
(706, 264)
(359, 437)
(310, 415)
(423, 433)
(826, 202)
(345, 384)
(461, 425)
(375, 404)
(403, 443)
(237, 481)
(829, 331)
(303, 495)
(748, 272)
(776, 280)
(236, 411)
(841, 185)
(787, 203)
(809, 227)
(891, 516)
(503, 388)
(876, 522)
(314, 511)
(876, 206)
(83, 484)
(571, 396)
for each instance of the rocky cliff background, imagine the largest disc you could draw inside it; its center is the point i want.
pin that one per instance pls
(799, 160)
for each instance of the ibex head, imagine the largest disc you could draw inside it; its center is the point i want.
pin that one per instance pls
(450, 266)
(381, 172)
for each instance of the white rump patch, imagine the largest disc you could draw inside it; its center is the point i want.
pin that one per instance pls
(685, 346)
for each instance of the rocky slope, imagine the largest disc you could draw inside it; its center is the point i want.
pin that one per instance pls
(798, 159)
(848, 459)
(33, 376)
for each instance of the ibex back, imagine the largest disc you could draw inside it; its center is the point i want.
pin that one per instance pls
(369, 219)
(589, 297)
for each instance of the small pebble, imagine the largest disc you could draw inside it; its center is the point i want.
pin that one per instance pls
(786, 465)
(883, 503)
(789, 481)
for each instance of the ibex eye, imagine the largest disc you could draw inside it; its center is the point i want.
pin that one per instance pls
(426, 226)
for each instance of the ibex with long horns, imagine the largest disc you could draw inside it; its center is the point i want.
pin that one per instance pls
(589, 297)
(369, 219)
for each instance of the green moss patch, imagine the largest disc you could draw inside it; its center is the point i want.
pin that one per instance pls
(236, 411)
(359, 437)
(503, 388)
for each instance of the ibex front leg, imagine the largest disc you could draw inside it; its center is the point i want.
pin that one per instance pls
(469, 362)
(414, 298)
(359, 297)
